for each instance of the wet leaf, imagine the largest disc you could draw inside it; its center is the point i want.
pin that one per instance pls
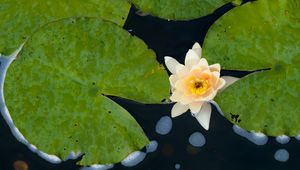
(20, 18)
(56, 89)
(180, 9)
(260, 35)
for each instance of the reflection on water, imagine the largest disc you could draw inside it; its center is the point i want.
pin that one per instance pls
(152, 146)
(282, 155)
(164, 125)
(283, 139)
(98, 167)
(177, 166)
(20, 165)
(256, 138)
(134, 159)
(197, 139)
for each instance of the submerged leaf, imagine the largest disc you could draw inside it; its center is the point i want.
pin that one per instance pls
(180, 9)
(20, 18)
(55, 89)
(260, 35)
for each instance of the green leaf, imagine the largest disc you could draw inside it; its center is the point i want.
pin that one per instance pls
(20, 18)
(180, 9)
(260, 35)
(54, 89)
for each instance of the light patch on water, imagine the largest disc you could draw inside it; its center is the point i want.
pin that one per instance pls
(256, 138)
(282, 155)
(133, 159)
(297, 137)
(177, 166)
(197, 139)
(138, 156)
(73, 155)
(152, 146)
(98, 167)
(164, 125)
(283, 139)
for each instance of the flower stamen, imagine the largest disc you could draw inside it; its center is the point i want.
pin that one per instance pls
(197, 86)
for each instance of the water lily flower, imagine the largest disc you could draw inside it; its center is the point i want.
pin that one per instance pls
(195, 84)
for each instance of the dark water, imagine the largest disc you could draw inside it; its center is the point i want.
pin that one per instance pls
(224, 150)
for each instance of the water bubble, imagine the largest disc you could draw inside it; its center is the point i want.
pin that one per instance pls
(134, 159)
(297, 137)
(152, 146)
(177, 166)
(197, 139)
(164, 125)
(282, 155)
(98, 167)
(283, 139)
(256, 138)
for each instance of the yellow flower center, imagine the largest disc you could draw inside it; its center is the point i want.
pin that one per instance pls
(198, 86)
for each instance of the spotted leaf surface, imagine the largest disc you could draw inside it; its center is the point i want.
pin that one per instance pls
(260, 35)
(56, 89)
(20, 18)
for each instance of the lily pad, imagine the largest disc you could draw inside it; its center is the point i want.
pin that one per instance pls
(20, 18)
(56, 89)
(260, 35)
(180, 9)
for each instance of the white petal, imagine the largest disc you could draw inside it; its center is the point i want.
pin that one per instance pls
(179, 85)
(215, 79)
(229, 81)
(211, 96)
(197, 48)
(203, 62)
(173, 79)
(215, 67)
(203, 116)
(196, 45)
(198, 51)
(191, 59)
(171, 64)
(216, 74)
(221, 83)
(195, 107)
(176, 96)
(179, 95)
(208, 97)
(178, 109)
(181, 71)
(185, 99)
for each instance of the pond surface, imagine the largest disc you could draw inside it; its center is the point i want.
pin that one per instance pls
(179, 143)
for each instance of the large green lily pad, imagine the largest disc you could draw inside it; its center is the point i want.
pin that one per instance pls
(180, 9)
(260, 35)
(20, 18)
(56, 89)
